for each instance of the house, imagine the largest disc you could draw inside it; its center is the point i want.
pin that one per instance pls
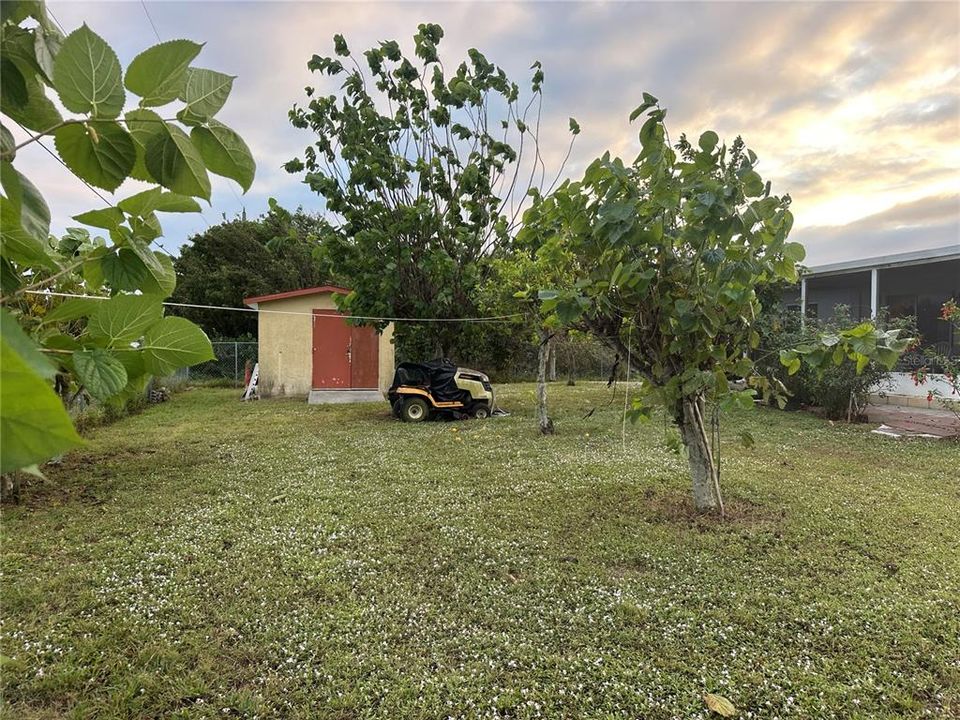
(912, 283)
(307, 348)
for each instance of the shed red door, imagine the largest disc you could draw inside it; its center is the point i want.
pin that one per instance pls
(364, 358)
(343, 356)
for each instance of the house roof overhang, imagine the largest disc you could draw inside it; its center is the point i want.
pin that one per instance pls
(320, 290)
(916, 257)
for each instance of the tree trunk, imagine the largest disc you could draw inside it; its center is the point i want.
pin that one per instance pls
(553, 359)
(543, 420)
(703, 472)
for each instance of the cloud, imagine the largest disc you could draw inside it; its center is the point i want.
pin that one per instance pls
(929, 222)
(853, 108)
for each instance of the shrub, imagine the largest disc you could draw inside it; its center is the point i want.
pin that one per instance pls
(839, 390)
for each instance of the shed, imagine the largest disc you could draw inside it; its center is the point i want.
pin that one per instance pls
(307, 348)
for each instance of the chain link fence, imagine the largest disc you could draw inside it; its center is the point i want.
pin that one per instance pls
(580, 358)
(571, 359)
(228, 366)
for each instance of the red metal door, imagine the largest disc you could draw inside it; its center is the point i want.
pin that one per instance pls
(364, 358)
(331, 350)
(344, 356)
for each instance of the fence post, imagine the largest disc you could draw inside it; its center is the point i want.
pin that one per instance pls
(236, 364)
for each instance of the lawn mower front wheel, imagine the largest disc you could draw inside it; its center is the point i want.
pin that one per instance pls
(480, 411)
(415, 409)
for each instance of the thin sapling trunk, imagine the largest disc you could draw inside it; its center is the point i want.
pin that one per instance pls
(543, 420)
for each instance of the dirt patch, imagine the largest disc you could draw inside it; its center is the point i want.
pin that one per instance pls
(668, 506)
(677, 508)
(91, 477)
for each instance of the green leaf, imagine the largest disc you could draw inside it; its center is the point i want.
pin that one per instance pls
(107, 218)
(125, 318)
(161, 276)
(794, 252)
(574, 127)
(141, 204)
(93, 277)
(25, 346)
(18, 48)
(7, 144)
(174, 343)
(862, 330)
(160, 273)
(17, 244)
(648, 102)
(29, 207)
(174, 202)
(122, 270)
(87, 75)
(145, 126)
(13, 86)
(100, 372)
(146, 228)
(102, 153)
(10, 278)
(76, 238)
(790, 360)
(62, 341)
(752, 184)
(132, 361)
(72, 309)
(34, 424)
(158, 74)
(225, 153)
(176, 164)
(39, 113)
(708, 141)
(46, 47)
(648, 134)
(205, 92)
(16, 11)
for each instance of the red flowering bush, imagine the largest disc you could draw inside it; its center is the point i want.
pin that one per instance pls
(948, 364)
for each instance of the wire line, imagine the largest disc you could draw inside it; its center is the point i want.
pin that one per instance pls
(490, 318)
(59, 160)
(144, 6)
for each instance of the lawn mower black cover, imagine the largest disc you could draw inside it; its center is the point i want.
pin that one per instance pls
(437, 376)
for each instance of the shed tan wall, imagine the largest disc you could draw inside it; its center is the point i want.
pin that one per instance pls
(286, 345)
(387, 362)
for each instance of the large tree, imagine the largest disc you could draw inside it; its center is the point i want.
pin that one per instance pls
(240, 258)
(671, 250)
(424, 171)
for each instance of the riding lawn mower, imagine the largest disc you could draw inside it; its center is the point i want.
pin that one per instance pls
(438, 388)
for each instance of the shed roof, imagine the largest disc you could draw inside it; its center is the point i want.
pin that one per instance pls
(319, 290)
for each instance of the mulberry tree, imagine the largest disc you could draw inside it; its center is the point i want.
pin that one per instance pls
(425, 169)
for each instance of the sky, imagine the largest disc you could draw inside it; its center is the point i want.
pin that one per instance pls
(852, 107)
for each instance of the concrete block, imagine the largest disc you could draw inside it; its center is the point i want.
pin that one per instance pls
(323, 397)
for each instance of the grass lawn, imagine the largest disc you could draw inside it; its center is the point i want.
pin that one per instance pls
(208, 558)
